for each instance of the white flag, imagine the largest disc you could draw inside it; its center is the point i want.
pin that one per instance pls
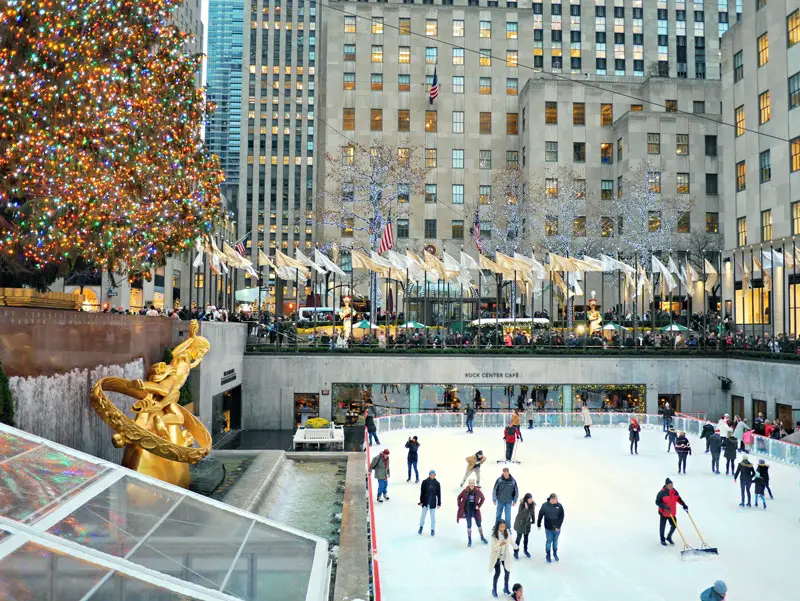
(712, 276)
(668, 283)
(300, 256)
(467, 262)
(324, 262)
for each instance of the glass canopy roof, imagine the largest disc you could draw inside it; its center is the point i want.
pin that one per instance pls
(75, 528)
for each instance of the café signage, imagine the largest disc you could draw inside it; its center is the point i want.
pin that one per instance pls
(490, 375)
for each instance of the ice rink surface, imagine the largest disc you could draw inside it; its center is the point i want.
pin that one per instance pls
(609, 546)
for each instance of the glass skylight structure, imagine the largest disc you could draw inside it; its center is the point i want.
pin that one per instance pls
(76, 528)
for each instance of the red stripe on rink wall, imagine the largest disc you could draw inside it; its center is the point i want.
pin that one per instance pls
(376, 580)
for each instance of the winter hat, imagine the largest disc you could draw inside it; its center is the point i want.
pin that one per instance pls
(667, 481)
(385, 452)
(716, 431)
(746, 461)
(762, 462)
(471, 481)
(720, 587)
(432, 473)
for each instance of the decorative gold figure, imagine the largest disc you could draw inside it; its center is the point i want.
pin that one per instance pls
(346, 314)
(593, 315)
(160, 441)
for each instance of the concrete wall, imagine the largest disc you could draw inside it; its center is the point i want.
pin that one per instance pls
(270, 381)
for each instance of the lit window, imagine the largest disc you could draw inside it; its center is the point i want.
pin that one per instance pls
(712, 223)
(431, 28)
(764, 108)
(512, 58)
(511, 30)
(349, 24)
(430, 122)
(377, 25)
(430, 193)
(511, 124)
(347, 230)
(653, 143)
(551, 112)
(764, 167)
(348, 155)
(578, 113)
(682, 183)
(403, 83)
(458, 28)
(636, 108)
(458, 158)
(671, 106)
(606, 114)
(511, 86)
(348, 119)
(376, 119)
(430, 158)
(458, 84)
(793, 28)
(404, 55)
(485, 58)
(606, 189)
(403, 192)
(607, 227)
(796, 218)
(458, 122)
(654, 221)
(349, 52)
(458, 194)
(377, 54)
(579, 227)
(763, 50)
(606, 153)
(684, 222)
(766, 225)
(794, 146)
(484, 194)
(551, 152)
(551, 223)
(405, 26)
(404, 120)
(551, 187)
(654, 181)
(741, 231)
(458, 56)
(485, 121)
(682, 144)
(485, 29)
(741, 176)
(431, 55)
(739, 119)
(485, 159)
(376, 82)
(349, 81)
(485, 85)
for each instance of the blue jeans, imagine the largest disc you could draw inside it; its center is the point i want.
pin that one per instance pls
(501, 507)
(382, 486)
(469, 425)
(413, 463)
(552, 540)
(375, 436)
(471, 515)
(425, 510)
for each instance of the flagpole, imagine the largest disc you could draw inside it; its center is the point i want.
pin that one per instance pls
(793, 303)
(296, 306)
(753, 292)
(772, 293)
(705, 298)
(636, 296)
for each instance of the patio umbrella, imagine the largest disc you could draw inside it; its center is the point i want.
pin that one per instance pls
(675, 327)
(364, 324)
(412, 325)
(614, 326)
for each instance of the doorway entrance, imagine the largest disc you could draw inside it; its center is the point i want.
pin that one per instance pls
(306, 406)
(759, 407)
(674, 401)
(226, 409)
(783, 413)
(737, 406)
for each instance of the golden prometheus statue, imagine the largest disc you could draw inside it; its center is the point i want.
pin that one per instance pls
(160, 441)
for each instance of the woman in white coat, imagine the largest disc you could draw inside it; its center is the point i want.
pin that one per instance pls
(587, 420)
(499, 555)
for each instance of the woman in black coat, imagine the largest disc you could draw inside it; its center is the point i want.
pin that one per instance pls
(633, 435)
(525, 518)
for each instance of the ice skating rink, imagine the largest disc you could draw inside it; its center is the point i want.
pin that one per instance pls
(609, 546)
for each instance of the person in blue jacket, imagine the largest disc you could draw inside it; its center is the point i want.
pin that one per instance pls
(413, 457)
(715, 593)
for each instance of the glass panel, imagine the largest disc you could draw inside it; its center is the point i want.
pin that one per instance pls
(11, 445)
(118, 518)
(32, 482)
(33, 573)
(122, 588)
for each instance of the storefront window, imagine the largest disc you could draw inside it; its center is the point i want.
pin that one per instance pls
(612, 397)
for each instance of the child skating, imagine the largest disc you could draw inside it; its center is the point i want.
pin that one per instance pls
(670, 437)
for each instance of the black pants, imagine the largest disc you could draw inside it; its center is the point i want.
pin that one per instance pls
(745, 487)
(715, 462)
(769, 490)
(497, 574)
(708, 445)
(509, 450)
(729, 465)
(741, 445)
(635, 446)
(586, 429)
(524, 539)
(682, 461)
(662, 523)
(530, 424)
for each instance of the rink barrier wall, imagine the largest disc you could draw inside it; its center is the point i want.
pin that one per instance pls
(763, 446)
(373, 534)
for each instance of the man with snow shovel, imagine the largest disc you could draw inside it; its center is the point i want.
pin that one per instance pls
(667, 501)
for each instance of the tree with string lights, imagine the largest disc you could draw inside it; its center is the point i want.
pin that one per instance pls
(101, 159)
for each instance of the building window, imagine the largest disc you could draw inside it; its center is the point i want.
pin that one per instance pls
(349, 52)
(348, 119)
(766, 225)
(685, 223)
(671, 106)
(636, 108)
(376, 119)
(404, 55)
(741, 176)
(377, 54)
(348, 156)
(511, 124)
(457, 229)
(654, 181)
(431, 28)
(682, 183)
(403, 155)
(403, 83)
(738, 66)
(741, 231)
(764, 108)
(619, 187)
(711, 146)
(458, 56)
(485, 85)
(712, 184)
(698, 107)
(579, 152)
(405, 26)
(578, 113)
(485, 29)
(458, 158)
(403, 192)
(349, 24)
(739, 119)
(484, 194)
(376, 82)
(431, 55)
(551, 112)
(607, 227)
(512, 158)
(511, 30)
(654, 221)
(430, 193)
(606, 153)
(430, 122)
(485, 59)
(606, 189)
(485, 123)
(796, 218)
(579, 227)
(606, 114)
(485, 159)
(550, 225)
(402, 228)
(430, 228)
(404, 120)
(682, 144)
(764, 167)
(794, 151)
(512, 85)
(551, 187)
(458, 122)
(794, 91)
(653, 143)
(458, 84)
(347, 229)
(349, 81)
(430, 158)
(712, 223)
(619, 149)
(763, 50)
(458, 194)
(551, 152)
(377, 25)
(793, 28)
(458, 28)
(512, 58)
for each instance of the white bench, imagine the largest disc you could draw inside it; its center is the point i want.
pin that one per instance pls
(333, 435)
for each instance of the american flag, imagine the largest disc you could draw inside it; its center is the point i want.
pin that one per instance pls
(434, 91)
(476, 232)
(387, 237)
(240, 248)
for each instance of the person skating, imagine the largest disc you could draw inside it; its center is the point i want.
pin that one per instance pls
(515, 421)
(529, 415)
(470, 501)
(504, 495)
(369, 424)
(670, 437)
(667, 501)
(587, 420)
(412, 445)
(510, 436)
(707, 433)
(552, 513)
(380, 465)
(667, 414)
(715, 446)
(474, 463)
(498, 556)
(633, 435)
(746, 471)
(516, 593)
(684, 448)
(759, 489)
(522, 525)
(715, 593)
(430, 499)
(763, 469)
(470, 413)
(730, 448)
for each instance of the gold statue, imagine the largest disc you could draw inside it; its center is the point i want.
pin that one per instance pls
(160, 441)
(593, 315)
(346, 314)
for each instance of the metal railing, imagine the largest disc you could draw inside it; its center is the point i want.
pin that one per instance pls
(373, 534)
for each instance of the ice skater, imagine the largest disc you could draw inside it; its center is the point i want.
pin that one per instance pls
(763, 469)
(667, 414)
(746, 471)
(553, 514)
(522, 525)
(412, 445)
(369, 424)
(474, 463)
(684, 448)
(667, 501)
(715, 446)
(587, 420)
(504, 495)
(633, 435)
(516, 593)
(759, 489)
(499, 555)
(729, 445)
(510, 436)
(470, 501)
(380, 465)
(707, 433)
(670, 437)
(470, 413)
(529, 415)
(715, 593)
(430, 499)
(515, 421)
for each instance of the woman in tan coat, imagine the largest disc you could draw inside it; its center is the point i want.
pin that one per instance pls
(501, 543)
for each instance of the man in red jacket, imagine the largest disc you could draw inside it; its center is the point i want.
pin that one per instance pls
(667, 501)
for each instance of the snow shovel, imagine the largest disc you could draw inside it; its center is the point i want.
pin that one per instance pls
(688, 551)
(704, 548)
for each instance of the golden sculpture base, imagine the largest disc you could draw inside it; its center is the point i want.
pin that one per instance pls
(33, 299)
